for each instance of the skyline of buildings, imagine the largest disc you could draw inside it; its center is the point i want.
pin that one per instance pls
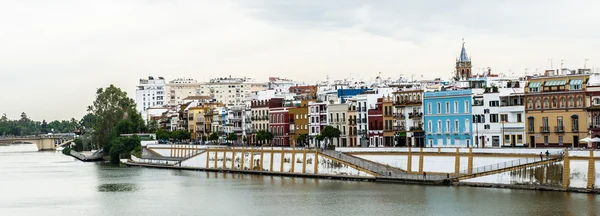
(469, 110)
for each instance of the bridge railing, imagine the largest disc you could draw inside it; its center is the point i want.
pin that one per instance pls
(509, 164)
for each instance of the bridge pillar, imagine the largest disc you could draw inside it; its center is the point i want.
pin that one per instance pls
(281, 160)
(409, 160)
(271, 161)
(207, 156)
(233, 158)
(566, 170)
(262, 151)
(316, 161)
(421, 160)
(439, 150)
(304, 161)
(293, 159)
(224, 158)
(173, 148)
(243, 154)
(457, 162)
(252, 159)
(470, 162)
(216, 158)
(591, 171)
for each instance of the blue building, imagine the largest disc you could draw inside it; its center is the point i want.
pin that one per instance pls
(344, 94)
(447, 118)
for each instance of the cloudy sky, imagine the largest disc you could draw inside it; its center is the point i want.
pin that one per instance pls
(54, 54)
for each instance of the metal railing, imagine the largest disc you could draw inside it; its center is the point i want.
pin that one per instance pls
(509, 164)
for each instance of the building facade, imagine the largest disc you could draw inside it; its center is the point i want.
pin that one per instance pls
(279, 124)
(338, 115)
(181, 88)
(408, 118)
(352, 129)
(299, 123)
(317, 120)
(556, 111)
(448, 118)
(375, 126)
(149, 93)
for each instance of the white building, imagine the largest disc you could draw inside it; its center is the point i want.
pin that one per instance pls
(338, 114)
(499, 115)
(149, 93)
(228, 90)
(181, 88)
(317, 120)
(365, 101)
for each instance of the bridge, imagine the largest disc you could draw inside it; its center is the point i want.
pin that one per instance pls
(43, 142)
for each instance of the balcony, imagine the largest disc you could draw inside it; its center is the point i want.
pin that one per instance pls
(544, 129)
(416, 128)
(364, 109)
(415, 115)
(399, 115)
(466, 131)
(399, 128)
(402, 103)
(559, 129)
(387, 114)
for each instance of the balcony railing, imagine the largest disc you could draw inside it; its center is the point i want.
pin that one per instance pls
(399, 115)
(387, 114)
(415, 115)
(544, 129)
(559, 129)
(416, 128)
(399, 128)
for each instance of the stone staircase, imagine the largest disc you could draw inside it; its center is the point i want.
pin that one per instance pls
(505, 167)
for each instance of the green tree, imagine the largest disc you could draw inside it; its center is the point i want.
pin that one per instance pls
(213, 137)
(269, 137)
(111, 106)
(329, 133)
(244, 139)
(180, 135)
(231, 137)
(152, 126)
(87, 121)
(301, 139)
(163, 135)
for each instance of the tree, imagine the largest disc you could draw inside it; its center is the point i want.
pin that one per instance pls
(163, 135)
(244, 139)
(111, 106)
(301, 139)
(87, 121)
(152, 126)
(330, 132)
(180, 135)
(231, 137)
(44, 127)
(269, 136)
(213, 137)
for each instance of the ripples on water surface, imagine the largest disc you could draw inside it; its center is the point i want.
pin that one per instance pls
(49, 183)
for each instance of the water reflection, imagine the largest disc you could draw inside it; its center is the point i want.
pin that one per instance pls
(119, 187)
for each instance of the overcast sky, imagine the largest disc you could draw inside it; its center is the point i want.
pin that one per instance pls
(54, 54)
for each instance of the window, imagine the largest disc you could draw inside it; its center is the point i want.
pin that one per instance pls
(487, 126)
(439, 126)
(456, 126)
(455, 106)
(456, 141)
(546, 104)
(448, 141)
(493, 118)
(467, 125)
(531, 125)
(560, 140)
(504, 117)
(506, 139)
(571, 102)
(559, 121)
(575, 126)
(562, 102)
(538, 104)
(545, 140)
(534, 89)
(429, 127)
(519, 118)
(579, 102)
(494, 103)
(519, 138)
(545, 123)
(466, 106)
(447, 126)
(530, 104)
(447, 107)
(428, 108)
(439, 108)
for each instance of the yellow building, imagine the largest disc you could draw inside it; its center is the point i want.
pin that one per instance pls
(298, 122)
(196, 116)
(388, 121)
(555, 110)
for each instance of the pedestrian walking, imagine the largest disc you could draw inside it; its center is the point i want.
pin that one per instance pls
(340, 154)
(547, 155)
(541, 156)
(424, 175)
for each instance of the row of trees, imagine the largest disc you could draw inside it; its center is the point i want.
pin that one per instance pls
(25, 126)
(178, 135)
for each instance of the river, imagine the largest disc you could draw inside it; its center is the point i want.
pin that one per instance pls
(49, 183)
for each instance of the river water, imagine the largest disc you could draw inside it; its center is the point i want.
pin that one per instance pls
(49, 183)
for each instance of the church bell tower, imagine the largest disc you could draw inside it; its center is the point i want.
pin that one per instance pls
(463, 64)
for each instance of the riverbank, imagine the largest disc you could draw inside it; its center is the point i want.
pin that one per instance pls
(380, 179)
(299, 175)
